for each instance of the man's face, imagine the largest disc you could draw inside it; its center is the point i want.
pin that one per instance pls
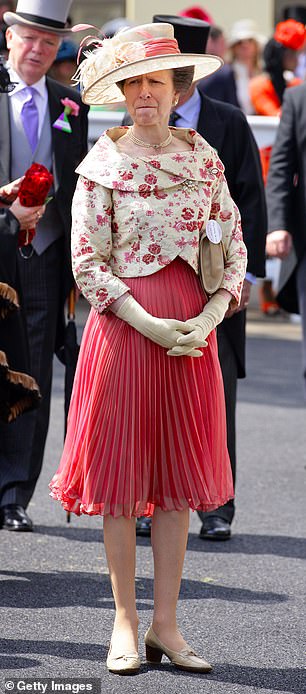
(31, 51)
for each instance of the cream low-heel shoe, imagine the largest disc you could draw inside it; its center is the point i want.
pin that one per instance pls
(127, 664)
(183, 660)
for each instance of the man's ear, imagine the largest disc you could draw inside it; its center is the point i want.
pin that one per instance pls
(9, 37)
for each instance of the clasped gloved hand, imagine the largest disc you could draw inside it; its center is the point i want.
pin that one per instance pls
(202, 325)
(164, 331)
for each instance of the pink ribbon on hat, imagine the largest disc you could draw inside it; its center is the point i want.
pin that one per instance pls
(162, 46)
(158, 46)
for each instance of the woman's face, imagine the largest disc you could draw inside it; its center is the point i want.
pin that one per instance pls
(245, 50)
(290, 59)
(149, 98)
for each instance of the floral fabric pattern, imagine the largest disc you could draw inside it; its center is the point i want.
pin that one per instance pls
(131, 218)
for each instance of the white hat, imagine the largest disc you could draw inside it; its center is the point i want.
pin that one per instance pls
(245, 29)
(47, 15)
(133, 52)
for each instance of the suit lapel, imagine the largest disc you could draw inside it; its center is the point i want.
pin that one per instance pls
(208, 124)
(300, 104)
(4, 140)
(59, 143)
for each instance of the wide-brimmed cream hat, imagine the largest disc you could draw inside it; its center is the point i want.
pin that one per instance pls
(131, 52)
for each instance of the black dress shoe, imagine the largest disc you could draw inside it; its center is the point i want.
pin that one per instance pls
(143, 526)
(14, 517)
(215, 528)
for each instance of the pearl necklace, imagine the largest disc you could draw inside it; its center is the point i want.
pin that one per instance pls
(141, 143)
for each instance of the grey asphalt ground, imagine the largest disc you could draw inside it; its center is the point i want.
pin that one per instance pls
(242, 602)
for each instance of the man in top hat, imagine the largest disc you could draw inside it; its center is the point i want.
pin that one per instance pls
(30, 131)
(225, 128)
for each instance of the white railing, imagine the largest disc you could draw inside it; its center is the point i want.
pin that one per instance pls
(100, 121)
(263, 127)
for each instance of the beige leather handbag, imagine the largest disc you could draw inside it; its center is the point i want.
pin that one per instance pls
(211, 261)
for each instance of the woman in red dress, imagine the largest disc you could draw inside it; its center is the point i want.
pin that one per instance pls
(146, 428)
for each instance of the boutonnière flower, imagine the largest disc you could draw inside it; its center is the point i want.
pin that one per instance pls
(70, 109)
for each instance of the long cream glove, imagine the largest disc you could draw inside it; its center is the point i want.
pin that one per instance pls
(212, 314)
(164, 331)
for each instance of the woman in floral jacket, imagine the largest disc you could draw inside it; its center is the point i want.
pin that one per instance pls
(146, 430)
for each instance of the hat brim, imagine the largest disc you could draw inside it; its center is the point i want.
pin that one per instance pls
(11, 18)
(104, 89)
(246, 36)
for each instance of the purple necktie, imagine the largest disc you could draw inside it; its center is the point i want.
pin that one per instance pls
(29, 117)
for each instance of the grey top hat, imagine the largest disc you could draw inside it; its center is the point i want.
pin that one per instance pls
(47, 15)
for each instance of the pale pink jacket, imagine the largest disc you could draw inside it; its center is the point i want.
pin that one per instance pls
(131, 217)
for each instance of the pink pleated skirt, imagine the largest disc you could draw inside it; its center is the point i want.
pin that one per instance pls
(145, 429)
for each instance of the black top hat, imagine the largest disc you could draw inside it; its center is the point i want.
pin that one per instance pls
(297, 12)
(191, 34)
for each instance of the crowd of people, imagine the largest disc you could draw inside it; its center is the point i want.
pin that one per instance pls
(256, 73)
(162, 209)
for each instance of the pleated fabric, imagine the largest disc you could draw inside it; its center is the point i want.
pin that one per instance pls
(145, 429)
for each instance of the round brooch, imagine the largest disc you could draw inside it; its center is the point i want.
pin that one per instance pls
(191, 185)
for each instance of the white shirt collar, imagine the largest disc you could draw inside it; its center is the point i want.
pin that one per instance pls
(40, 86)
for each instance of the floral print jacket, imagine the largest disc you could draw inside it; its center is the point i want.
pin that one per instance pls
(131, 217)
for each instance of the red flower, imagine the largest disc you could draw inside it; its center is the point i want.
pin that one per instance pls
(155, 163)
(32, 192)
(144, 190)
(126, 175)
(86, 249)
(159, 194)
(191, 226)
(101, 294)
(89, 185)
(154, 248)
(187, 213)
(225, 216)
(148, 258)
(151, 179)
